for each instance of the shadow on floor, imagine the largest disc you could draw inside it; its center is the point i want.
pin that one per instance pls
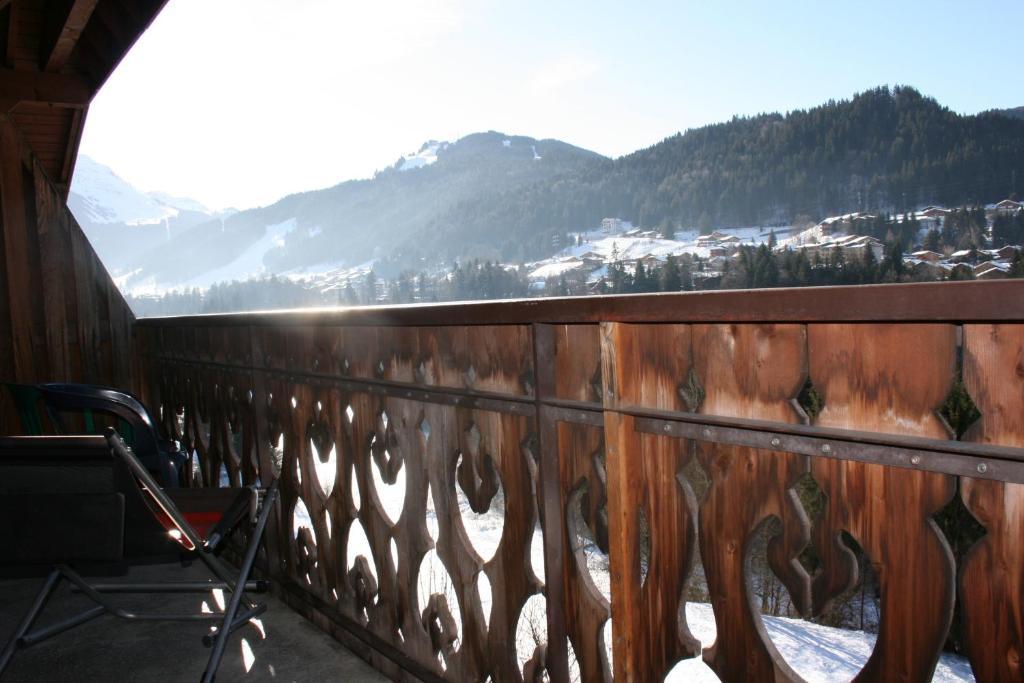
(280, 646)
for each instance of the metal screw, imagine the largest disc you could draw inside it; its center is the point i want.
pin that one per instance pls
(776, 442)
(915, 460)
(666, 428)
(982, 468)
(825, 448)
(707, 433)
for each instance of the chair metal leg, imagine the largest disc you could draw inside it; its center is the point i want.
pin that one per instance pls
(33, 613)
(41, 634)
(257, 586)
(236, 596)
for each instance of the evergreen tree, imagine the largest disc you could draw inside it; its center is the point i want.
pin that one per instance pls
(370, 288)
(1017, 266)
(671, 278)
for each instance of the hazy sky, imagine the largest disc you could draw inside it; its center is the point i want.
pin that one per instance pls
(239, 102)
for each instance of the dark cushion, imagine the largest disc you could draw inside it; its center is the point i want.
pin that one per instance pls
(62, 527)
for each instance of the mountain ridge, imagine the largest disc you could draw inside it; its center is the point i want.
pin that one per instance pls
(511, 198)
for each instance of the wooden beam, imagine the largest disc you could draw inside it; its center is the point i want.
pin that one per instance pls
(25, 28)
(69, 30)
(16, 249)
(64, 90)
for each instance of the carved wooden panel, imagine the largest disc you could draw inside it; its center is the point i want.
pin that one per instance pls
(380, 490)
(650, 505)
(577, 362)
(379, 589)
(992, 576)
(890, 379)
(649, 366)
(749, 371)
(581, 458)
(652, 510)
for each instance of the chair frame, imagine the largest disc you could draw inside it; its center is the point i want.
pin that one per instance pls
(233, 617)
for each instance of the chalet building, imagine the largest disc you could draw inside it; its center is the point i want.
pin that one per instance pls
(845, 223)
(715, 237)
(965, 256)
(991, 270)
(614, 225)
(934, 212)
(929, 256)
(1007, 253)
(1007, 206)
(926, 269)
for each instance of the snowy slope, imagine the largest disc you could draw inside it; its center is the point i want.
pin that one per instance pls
(103, 197)
(425, 157)
(249, 263)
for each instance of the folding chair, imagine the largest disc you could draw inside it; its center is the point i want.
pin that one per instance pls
(72, 494)
(88, 402)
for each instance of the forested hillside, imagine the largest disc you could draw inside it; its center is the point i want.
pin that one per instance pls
(513, 199)
(362, 219)
(885, 149)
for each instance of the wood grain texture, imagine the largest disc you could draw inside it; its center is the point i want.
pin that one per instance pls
(16, 252)
(750, 371)
(651, 508)
(992, 575)
(63, 318)
(648, 366)
(648, 498)
(890, 379)
(583, 481)
(577, 362)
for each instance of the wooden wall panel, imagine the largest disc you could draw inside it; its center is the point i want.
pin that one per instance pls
(583, 482)
(647, 498)
(888, 379)
(61, 317)
(749, 371)
(992, 576)
(577, 363)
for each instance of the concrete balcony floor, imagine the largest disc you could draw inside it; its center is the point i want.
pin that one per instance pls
(112, 649)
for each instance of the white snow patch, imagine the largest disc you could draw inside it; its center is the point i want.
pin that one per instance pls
(818, 653)
(425, 157)
(107, 198)
(249, 263)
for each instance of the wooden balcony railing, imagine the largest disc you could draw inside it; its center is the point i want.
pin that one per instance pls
(670, 431)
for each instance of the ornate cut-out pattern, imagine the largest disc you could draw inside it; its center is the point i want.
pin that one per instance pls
(507, 503)
(887, 510)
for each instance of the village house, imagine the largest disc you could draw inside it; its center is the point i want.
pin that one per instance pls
(714, 238)
(934, 212)
(1007, 253)
(614, 225)
(1007, 206)
(965, 255)
(991, 271)
(929, 256)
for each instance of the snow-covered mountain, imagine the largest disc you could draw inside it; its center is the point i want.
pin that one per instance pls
(121, 220)
(399, 212)
(99, 196)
